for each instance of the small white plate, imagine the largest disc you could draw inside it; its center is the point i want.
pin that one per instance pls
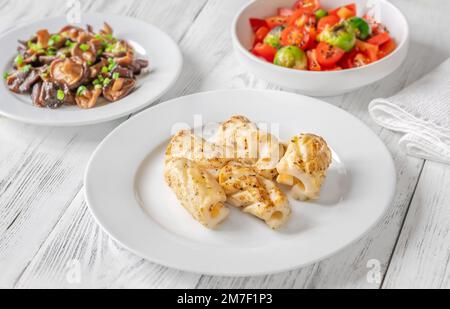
(149, 42)
(126, 192)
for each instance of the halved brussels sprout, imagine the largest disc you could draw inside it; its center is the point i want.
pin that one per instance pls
(291, 57)
(341, 35)
(320, 13)
(361, 27)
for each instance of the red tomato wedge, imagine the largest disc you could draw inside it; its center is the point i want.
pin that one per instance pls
(301, 18)
(328, 55)
(386, 49)
(286, 12)
(265, 51)
(329, 20)
(351, 9)
(347, 62)
(302, 37)
(276, 21)
(380, 39)
(370, 50)
(257, 23)
(261, 34)
(307, 5)
(313, 64)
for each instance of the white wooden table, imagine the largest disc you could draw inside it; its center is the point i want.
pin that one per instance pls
(49, 239)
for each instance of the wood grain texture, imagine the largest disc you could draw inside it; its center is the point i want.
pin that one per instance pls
(422, 257)
(42, 169)
(44, 230)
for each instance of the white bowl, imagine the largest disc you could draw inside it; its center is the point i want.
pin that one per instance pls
(321, 83)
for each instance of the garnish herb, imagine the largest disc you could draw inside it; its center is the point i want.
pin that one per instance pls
(54, 39)
(51, 51)
(106, 82)
(26, 68)
(60, 95)
(84, 47)
(81, 90)
(19, 60)
(70, 44)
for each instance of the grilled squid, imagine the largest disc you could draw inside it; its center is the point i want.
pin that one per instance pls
(246, 143)
(304, 166)
(254, 194)
(197, 190)
(207, 155)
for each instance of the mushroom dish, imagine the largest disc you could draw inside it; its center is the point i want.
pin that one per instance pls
(75, 66)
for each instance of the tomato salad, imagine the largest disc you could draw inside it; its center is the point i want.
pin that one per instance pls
(308, 37)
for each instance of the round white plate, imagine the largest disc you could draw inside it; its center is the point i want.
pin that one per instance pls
(163, 53)
(126, 192)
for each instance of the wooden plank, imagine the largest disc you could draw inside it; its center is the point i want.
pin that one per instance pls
(211, 65)
(422, 256)
(78, 254)
(41, 169)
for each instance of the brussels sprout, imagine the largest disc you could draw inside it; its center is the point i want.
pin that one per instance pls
(340, 35)
(291, 57)
(320, 13)
(273, 37)
(361, 27)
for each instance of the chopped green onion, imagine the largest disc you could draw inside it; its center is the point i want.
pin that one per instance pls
(36, 47)
(51, 52)
(105, 70)
(116, 75)
(26, 68)
(96, 82)
(101, 78)
(111, 66)
(55, 38)
(98, 87)
(70, 44)
(106, 82)
(84, 47)
(110, 37)
(81, 90)
(60, 95)
(89, 63)
(5, 75)
(19, 60)
(109, 48)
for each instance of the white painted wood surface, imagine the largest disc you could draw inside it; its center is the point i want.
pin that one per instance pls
(46, 231)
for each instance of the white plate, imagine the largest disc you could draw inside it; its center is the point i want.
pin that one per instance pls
(125, 188)
(150, 42)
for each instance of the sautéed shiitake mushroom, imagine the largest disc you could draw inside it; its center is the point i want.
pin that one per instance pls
(74, 66)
